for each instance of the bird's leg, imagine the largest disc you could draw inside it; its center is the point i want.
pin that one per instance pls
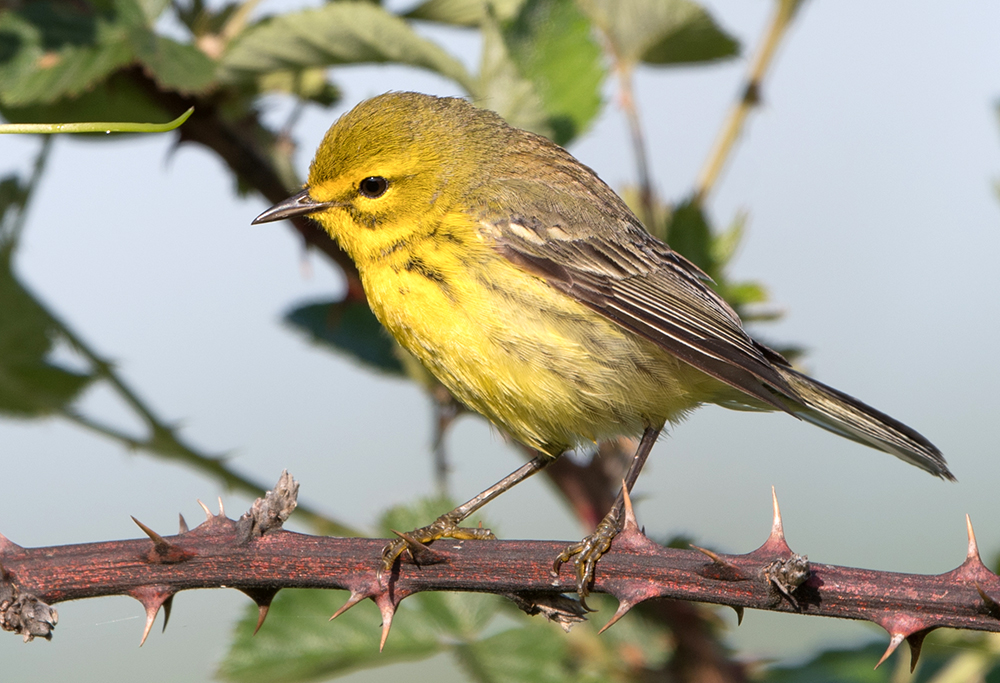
(446, 526)
(587, 552)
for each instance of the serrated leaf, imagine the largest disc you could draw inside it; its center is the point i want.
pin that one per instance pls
(660, 32)
(844, 666)
(350, 328)
(547, 40)
(173, 65)
(459, 616)
(502, 88)
(468, 13)
(30, 386)
(337, 33)
(298, 642)
(56, 50)
(538, 652)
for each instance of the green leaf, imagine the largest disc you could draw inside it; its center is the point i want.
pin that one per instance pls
(152, 9)
(688, 234)
(337, 33)
(468, 13)
(519, 655)
(350, 328)
(30, 386)
(308, 84)
(413, 515)
(856, 666)
(116, 98)
(660, 32)
(51, 50)
(174, 66)
(299, 643)
(725, 243)
(546, 41)
(502, 88)
(13, 196)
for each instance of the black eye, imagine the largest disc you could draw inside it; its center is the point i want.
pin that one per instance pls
(373, 186)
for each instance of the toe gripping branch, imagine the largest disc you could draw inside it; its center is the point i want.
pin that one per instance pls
(255, 555)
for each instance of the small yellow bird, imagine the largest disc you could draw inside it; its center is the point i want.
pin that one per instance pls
(533, 293)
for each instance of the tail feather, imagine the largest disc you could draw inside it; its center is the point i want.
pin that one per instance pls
(841, 414)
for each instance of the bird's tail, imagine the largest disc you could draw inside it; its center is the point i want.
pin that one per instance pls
(841, 414)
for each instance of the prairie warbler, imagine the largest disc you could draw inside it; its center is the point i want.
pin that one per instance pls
(532, 292)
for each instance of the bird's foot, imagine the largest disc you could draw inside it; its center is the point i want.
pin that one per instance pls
(587, 552)
(446, 526)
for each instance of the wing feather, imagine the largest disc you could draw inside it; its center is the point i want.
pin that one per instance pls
(644, 286)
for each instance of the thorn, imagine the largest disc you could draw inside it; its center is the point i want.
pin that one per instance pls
(351, 602)
(208, 513)
(777, 528)
(163, 552)
(262, 611)
(421, 553)
(168, 605)
(152, 598)
(739, 614)
(150, 617)
(990, 603)
(630, 522)
(7, 544)
(973, 554)
(388, 610)
(623, 607)
(263, 598)
(159, 542)
(222, 508)
(183, 524)
(897, 638)
(720, 569)
(775, 544)
(916, 641)
(715, 556)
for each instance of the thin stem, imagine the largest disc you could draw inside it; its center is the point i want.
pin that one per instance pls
(166, 445)
(17, 224)
(735, 121)
(238, 20)
(631, 110)
(95, 126)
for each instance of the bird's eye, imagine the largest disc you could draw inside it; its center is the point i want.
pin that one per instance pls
(373, 187)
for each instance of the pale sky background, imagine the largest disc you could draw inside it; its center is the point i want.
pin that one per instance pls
(868, 178)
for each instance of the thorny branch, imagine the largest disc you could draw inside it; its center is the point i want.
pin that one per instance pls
(255, 555)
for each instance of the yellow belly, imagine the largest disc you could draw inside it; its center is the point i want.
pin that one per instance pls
(546, 368)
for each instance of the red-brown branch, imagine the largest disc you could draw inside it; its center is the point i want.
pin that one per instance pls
(256, 556)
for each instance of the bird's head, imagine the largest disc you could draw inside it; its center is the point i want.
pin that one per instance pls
(393, 163)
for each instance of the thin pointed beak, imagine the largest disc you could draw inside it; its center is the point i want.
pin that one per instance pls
(300, 204)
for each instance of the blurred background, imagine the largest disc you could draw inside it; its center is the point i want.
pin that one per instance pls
(867, 182)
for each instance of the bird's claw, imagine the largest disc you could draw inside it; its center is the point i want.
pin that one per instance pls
(586, 553)
(444, 527)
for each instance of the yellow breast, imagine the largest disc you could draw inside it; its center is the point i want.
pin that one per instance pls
(543, 366)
